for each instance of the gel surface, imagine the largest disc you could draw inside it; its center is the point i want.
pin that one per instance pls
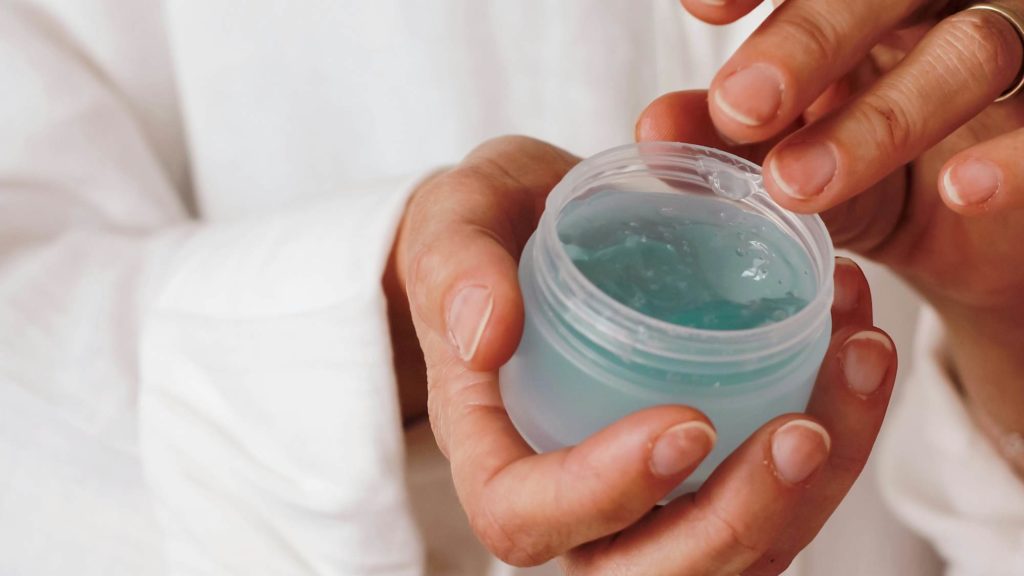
(701, 262)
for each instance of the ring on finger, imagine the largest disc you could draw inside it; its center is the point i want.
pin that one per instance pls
(1015, 16)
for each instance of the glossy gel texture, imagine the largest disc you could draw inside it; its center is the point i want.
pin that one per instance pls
(688, 260)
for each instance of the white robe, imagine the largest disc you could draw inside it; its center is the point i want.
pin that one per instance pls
(197, 200)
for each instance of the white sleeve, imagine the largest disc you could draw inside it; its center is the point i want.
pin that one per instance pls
(256, 352)
(942, 477)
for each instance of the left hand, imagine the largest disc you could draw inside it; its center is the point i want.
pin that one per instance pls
(880, 115)
(454, 266)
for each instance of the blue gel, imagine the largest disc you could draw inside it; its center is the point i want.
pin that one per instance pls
(662, 273)
(688, 260)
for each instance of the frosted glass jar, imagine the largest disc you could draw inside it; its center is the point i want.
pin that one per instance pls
(586, 360)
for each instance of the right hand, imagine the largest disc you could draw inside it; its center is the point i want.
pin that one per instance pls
(879, 115)
(594, 504)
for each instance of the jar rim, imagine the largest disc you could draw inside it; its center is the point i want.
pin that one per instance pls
(629, 332)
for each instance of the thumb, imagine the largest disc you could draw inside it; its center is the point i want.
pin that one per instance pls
(459, 246)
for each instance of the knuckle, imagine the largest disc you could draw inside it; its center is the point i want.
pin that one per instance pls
(428, 193)
(424, 266)
(492, 192)
(510, 544)
(514, 145)
(521, 162)
(605, 508)
(729, 538)
(474, 400)
(888, 119)
(499, 144)
(472, 182)
(814, 34)
(434, 271)
(982, 44)
(475, 174)
(434, 202)
(495, 172)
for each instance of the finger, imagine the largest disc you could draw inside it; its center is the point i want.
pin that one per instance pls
(720, 11)
(865, 222)
(850, 400)
(527, 508)
(802, 48)
(679, 117)
(954, 73)
(988, 177)
(461, 240)
(732, 519)
(684, 117)
(851, 305)
(860, 224)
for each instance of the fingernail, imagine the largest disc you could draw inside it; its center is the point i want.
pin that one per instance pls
(864, 359)
(846, 292)
(972, 182)
(468, 315)
(751, 95)
(681, 448)
(804, 170)
(799, 448)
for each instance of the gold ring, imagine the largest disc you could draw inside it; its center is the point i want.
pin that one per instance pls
(1017, 21)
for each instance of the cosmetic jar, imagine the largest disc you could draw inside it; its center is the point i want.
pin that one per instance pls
(590, 355)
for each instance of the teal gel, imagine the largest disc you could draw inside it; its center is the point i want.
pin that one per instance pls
(662, 273)
(687, 260)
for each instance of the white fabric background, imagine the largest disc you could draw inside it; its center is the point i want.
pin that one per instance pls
(196, 201)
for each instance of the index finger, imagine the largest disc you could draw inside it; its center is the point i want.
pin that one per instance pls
(955, 72)
(457, 248)
(801, 49)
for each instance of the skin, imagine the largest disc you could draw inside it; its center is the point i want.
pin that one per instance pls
(904, 99)
(593, 505)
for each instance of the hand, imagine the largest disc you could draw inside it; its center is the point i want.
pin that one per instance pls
(885, 124)
(593, 504)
